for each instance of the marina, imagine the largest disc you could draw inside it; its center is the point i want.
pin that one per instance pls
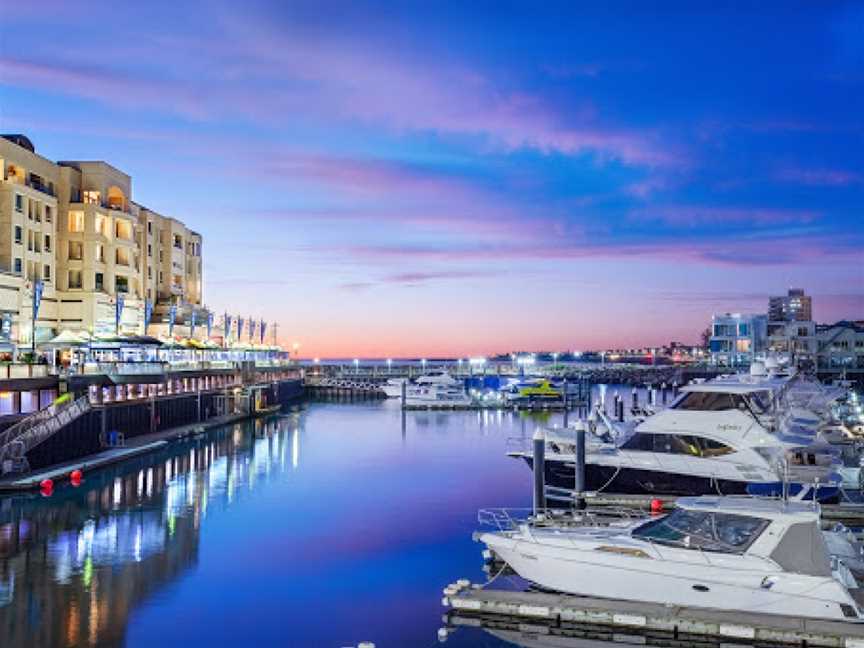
(471, 325)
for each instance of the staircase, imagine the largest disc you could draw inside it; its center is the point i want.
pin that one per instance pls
(18, 440)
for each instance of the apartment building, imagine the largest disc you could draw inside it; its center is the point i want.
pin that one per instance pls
(28, 238)
(73, 226)
(737, 338)
(795, 306)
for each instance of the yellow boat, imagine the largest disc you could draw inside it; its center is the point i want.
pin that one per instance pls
(536, 390)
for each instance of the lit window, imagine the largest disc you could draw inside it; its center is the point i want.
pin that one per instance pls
(76, 221)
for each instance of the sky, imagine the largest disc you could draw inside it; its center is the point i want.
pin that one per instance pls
(441, 179)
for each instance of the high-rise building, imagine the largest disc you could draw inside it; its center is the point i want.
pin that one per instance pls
(74, 227)
(792, 307)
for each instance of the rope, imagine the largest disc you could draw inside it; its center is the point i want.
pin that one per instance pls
(500, 571)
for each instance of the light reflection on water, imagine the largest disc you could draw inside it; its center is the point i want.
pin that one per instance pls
(327, 526)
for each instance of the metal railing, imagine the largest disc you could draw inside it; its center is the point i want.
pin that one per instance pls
(25, 435)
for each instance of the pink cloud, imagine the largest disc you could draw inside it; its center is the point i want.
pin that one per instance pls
(694, 215)
(820, 177)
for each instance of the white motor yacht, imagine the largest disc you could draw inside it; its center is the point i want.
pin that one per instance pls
(733, 435)
(729, 553)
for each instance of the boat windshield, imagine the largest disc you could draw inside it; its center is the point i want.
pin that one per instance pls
(704, 530)
(710, 402)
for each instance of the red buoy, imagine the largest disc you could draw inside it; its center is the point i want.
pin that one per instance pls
(75, 477)
(656, 506)
(46, 487)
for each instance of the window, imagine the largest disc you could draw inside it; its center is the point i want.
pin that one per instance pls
(76, 221)
(18, 234)
(76, 251)
(160, 256)
(17, 266)
(742, 346)
(149, 227)
(123, 230)
(102, 225)
(121, 283)
(37, 244)
(29, 241)
(802, 332)
(694, 446)
(19, 202)
(149, 250)
(100, 253)
(743, 329)
(703, 530)
(710, 402)
(100, 281)
(91, 197)
(47, 272)
(160, 276)
(122, 257)
(48, 213)
(74, 279)
(178, 242)
(149, 272)
(47, 242)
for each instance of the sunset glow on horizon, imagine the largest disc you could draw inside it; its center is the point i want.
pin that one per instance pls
(470, 179)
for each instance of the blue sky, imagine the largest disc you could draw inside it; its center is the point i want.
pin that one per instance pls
(424, 178)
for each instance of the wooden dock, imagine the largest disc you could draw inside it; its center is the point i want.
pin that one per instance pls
(545, 619)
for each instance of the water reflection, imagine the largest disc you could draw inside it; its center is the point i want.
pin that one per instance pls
(74, 566)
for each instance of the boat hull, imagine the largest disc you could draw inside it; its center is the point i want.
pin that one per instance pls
(590, 573)
(638, 481)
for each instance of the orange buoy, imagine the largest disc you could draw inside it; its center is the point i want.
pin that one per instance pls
(75, 477)
(656, 506)
(46, 487)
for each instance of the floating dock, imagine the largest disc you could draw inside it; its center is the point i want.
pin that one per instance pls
(544, 619)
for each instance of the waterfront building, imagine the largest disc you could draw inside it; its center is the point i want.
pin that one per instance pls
(797, 339)
(28, 237)
(737, 338)
(73, 226)
(795, 306)
(840, 347)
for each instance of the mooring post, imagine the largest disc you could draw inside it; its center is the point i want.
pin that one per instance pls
(539, 441)
(579, 467)
(566, 402)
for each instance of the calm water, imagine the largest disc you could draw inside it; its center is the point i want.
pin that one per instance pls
(332, 525)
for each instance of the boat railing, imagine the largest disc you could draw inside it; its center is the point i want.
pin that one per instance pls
(510, 519)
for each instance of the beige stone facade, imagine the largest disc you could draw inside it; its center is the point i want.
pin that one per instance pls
(74, 226)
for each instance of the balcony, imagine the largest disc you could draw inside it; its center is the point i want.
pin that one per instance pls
(41, 187)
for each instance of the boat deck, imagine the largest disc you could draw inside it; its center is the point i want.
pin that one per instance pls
(537, 616)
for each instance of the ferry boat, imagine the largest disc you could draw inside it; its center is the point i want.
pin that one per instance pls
(734, 435)
(725, 553)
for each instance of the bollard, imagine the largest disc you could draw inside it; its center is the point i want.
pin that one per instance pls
(579, 467)
(663, 392)
(675, 389)
(539, 441)
(650, 395)
(635, 398)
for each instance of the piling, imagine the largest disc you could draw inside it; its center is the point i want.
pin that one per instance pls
(566, 402)
(620, 412)
(579, 467)
(404, 393)
(539, 441)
